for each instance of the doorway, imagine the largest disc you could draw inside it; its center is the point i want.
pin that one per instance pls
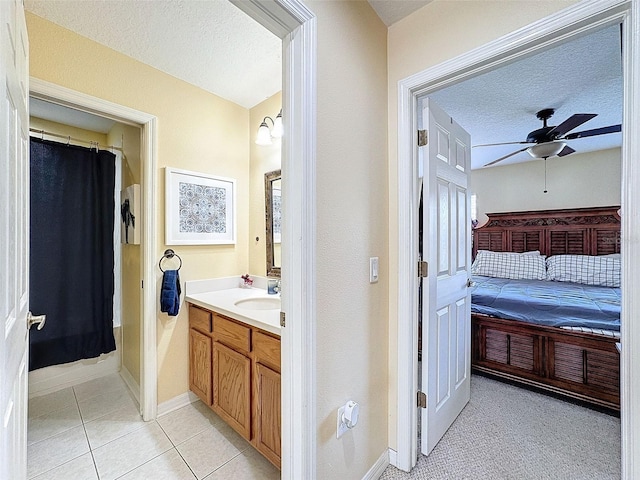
(537, 36)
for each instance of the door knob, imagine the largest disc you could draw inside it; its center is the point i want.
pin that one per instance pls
(35, 319)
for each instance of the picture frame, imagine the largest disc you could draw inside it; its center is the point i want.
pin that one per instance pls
(200, 209)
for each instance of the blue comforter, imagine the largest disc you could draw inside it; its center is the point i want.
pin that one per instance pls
(556, 304)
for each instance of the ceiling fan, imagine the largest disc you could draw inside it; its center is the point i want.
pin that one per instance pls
(550, 141)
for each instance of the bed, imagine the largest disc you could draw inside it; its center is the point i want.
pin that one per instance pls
(550, 346)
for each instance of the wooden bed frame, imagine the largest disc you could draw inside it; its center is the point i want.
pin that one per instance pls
(582, 366)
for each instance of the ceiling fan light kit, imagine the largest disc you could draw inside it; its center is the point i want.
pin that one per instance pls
(547, 149)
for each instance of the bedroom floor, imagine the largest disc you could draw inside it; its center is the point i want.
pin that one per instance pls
(94, 431)
(509, 433)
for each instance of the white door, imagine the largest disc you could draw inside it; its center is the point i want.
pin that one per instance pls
(446, 245)
(14, 239)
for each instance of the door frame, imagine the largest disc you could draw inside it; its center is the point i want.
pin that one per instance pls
(148, 160)
(295, 24)
(569, 23)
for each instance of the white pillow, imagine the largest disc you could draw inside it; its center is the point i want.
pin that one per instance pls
(515, 266)
(586, 269)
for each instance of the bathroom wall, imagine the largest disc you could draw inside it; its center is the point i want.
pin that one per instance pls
(263, 158)
(439, 31)
(128, 137)
(196, 131)
(56, 377)
(579, 180)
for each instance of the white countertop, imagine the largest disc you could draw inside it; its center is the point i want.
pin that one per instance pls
(223, 302)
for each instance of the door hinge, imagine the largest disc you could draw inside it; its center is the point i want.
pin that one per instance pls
(142, 283)
(423, 269)
(422, 138)
(422, 400)
(282, 319)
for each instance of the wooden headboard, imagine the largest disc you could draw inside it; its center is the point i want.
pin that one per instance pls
(578, 231)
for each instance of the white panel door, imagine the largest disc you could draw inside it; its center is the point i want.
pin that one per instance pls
(14, 239)
(446, 312)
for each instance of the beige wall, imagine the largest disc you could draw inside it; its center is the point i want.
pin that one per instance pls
(128, 138)
(579, 180)
(264, 158)
(440, 31)
(196, 131)
(351, 188)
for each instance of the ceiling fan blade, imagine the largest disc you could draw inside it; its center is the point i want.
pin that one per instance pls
(594, 132)
(505, 157)
(567, 150)
(570, 123)
(496, 144)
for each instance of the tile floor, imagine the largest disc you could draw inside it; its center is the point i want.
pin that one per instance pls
(93, 431)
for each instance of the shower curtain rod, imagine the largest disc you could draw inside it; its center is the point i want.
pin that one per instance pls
(70, 139)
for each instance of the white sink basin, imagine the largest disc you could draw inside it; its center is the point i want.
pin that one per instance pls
(259, 303)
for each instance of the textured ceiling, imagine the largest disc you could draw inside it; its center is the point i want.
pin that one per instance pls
(210, 44)
(582, 76)
(218, 48)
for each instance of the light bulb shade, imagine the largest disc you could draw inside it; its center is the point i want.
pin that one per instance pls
(547, 149)
(278, 130)
(264, 136)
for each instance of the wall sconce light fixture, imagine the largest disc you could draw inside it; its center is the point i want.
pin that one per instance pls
(264, 134)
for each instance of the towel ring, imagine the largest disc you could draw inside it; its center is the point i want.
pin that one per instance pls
(168, 253)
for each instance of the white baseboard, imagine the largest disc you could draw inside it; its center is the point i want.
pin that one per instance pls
(379, 467)
(133, 386)
(393, 457)
(176, 403)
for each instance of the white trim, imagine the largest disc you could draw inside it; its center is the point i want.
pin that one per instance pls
(177, 402)
(378, 468)
(545, 33)
(393, 458)
(148, 157)
(630, 327)
(131, 383)
(296, 25)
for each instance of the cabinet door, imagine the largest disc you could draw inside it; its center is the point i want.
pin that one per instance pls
(267, 413)
(200, 365)
(232, 388)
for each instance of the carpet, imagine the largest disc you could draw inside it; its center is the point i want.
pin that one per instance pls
(506, 432)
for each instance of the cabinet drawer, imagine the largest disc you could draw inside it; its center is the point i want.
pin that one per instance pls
(232, 334)
(200, 319)
(266, 350)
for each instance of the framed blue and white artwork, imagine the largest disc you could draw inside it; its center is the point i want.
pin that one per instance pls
(200, 208)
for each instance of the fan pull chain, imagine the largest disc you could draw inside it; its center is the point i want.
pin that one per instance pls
(545, 174)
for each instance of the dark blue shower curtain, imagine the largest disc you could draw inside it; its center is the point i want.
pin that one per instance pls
(71, 263)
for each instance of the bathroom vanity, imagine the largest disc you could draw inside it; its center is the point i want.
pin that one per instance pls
(234, 363)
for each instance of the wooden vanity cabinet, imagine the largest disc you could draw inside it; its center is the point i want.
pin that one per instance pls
(232, 374)
(200, 354)
(235, 369)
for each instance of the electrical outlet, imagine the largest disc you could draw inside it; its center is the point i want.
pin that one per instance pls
(341, 426)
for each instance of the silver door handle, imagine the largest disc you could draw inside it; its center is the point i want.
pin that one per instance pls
(469, 283)
(35, 319)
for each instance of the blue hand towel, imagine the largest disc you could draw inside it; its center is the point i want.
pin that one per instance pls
(170, 293)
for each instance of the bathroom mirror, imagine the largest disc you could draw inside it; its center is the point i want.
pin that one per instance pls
(273, 203)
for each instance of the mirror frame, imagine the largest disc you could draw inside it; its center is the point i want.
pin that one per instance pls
(269, 178)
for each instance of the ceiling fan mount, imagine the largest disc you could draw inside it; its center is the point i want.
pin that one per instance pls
(550, 141)
(542, 134)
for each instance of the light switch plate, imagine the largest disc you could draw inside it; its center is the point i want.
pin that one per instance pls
(373, 269)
